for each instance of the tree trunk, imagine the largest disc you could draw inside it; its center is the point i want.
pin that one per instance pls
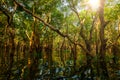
(12, 47)
(49, 50)
(74, 52)
(103, 65)
(61, 52)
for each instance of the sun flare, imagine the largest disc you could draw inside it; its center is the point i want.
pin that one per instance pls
(94, 4)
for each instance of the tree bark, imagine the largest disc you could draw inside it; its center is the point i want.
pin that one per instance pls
(103, 65)
(12, 47)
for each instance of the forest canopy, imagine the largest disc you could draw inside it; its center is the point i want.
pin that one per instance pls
(59, 39)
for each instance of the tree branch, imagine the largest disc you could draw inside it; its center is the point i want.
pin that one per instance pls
(50, 26)
(91, 30)
(6, 13)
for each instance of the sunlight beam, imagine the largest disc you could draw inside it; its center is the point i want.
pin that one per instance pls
(94, 4)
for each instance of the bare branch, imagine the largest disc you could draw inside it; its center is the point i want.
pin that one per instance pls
(72, 7)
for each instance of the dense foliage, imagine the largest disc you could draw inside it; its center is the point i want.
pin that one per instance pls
(59, 40)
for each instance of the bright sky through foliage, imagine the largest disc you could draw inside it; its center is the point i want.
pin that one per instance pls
(94, 4)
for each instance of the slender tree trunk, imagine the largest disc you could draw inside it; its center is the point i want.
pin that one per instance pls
(103, 65)
(61, 52)
(97, 54)
(35, 53)
(89, 59)
(12, 47)
(74, 53)
(49, 51)
(115, 51)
